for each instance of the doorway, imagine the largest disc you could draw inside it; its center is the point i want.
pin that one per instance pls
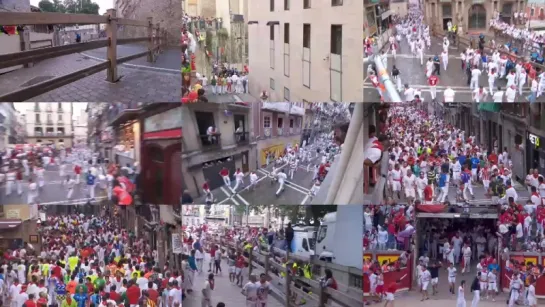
(477, 17)
(245, 163)
(154, 175)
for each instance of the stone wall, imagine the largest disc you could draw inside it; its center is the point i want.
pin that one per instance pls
(168, 13)
(15, 6)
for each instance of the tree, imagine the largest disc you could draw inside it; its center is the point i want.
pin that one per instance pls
(70, 6)
(47, 6)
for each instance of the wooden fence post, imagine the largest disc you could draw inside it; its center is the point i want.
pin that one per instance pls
(150, 39)
(111, 31)
(322, 298)
(267, 259)
(24, 38)
(287, 280)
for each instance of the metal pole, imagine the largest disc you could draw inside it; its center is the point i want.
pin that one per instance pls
(382, 71)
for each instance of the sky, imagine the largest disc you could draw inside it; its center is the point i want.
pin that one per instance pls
(22, 107)
(103, 4)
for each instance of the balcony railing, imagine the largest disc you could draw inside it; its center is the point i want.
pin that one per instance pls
(117, 109)
(242, 138)
(49, 109)
(38, 133)
(60, 122)
(49, 123)
(203, 25)
(210, 142)
(280, 131)
(515, 109)
(60, 110)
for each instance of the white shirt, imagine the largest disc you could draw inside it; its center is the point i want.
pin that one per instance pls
(520, 232)
(498, 96)
(239, 176)
(250, 289)
(449, 95)
(253, 177)
(409, 182)
(475, 73)
(510, 94)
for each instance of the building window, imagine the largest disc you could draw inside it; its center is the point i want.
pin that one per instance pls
(271, 50)
(287, 49)
(49, 117)
(271, 5)
(59, 116)
(306, 55)
(336, 39)
(271, 83)
(335, 63)
(532, 12)
(266, 122)
(336, 2)
(286, 5)
(37, 118)
(306, 4)
(280, 122)
(286, 94)
(61, 141)
(291, 122)
(38, 141)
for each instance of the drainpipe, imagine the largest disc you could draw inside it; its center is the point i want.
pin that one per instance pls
(384, 78)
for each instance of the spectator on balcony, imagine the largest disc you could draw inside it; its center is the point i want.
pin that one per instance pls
(240, 135)
(212, 134)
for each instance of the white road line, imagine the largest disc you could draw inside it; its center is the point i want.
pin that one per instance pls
(304, 200)
(289, 185)
(456, 89)
(229, 196)
(240, 197)
(426, 56)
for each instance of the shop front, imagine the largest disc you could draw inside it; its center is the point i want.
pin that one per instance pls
(161, 155)
(535, 153)
(403, 275)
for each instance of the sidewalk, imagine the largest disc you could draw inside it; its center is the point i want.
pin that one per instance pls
(134, 85)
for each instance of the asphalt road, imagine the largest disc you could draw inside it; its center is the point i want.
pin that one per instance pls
(53, 192)
(296, 190)
(412, 73)
(224, 291)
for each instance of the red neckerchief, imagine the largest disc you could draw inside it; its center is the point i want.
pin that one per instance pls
(535, 175)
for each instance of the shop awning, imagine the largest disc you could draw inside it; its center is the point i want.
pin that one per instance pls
(489, 106)
(10, 223)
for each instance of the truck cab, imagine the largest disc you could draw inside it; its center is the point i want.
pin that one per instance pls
(326, 237)
(304, 241)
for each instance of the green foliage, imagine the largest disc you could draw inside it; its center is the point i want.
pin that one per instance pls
(70, 6)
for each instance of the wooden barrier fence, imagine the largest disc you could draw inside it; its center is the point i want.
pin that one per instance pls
(156, 39)
(267, 263)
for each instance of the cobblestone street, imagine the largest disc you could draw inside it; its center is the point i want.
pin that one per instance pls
(134, 85)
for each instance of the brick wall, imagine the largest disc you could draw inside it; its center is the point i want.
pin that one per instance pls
(166, 12)
(15, 5)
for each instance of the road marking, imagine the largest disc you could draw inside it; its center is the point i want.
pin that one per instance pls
(288, 184)
(457, 89)
(426, 56)
(304, 200)
(229, 196)
(300, 187)
(240, 197)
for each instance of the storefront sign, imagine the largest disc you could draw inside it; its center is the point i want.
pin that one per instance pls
(534, 139)
(168, 120)
(13, 214)
(176, 243)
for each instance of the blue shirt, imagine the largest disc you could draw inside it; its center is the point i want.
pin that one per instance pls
(465, 177)
(80, 299)
(442, 180)
(475, 162)
(60, 288)
(90, 179)
(192, 263)
(493, 266)
(462, 159)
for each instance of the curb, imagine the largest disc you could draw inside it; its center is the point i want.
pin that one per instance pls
(138, 67)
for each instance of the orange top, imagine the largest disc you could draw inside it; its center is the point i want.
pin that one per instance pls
(71, 287)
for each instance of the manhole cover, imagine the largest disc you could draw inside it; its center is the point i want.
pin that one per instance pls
(37, 80)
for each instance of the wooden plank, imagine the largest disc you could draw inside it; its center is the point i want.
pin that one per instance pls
(49, 85)
(12, 59)
(131, 57)
(50, 18)
(132, 22)
(122, 41)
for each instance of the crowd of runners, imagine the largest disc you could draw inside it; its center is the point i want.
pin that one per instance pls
(23, 171)
(87, 260)
(201, 242)
(496, 62)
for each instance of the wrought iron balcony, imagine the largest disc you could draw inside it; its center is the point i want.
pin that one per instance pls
(242, 138)
(210, 142)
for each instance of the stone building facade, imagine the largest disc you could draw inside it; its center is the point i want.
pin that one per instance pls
(168, 13)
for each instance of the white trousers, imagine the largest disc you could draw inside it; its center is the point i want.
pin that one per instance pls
(227, 180)
(280, 188)
(476, 298)
(468, 187)
(69, 194)
(237, 183)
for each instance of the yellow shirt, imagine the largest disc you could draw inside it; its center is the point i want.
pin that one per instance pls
(197, 87)
(73, 262)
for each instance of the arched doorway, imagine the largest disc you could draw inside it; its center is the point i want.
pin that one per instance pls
(477, 17)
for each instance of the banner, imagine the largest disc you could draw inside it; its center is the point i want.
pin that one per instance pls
(177, 243)
(431, 208)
